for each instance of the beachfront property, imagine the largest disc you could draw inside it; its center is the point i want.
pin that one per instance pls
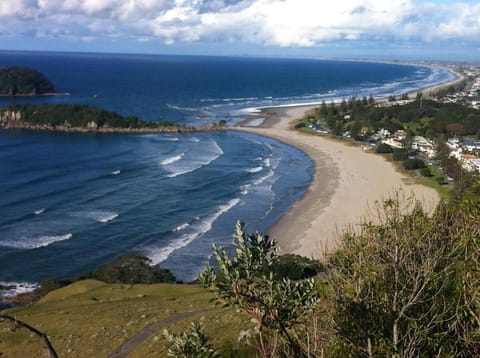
(424, 146)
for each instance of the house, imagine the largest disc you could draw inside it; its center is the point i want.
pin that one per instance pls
(423, 145)
(453, 143)
(471, 145)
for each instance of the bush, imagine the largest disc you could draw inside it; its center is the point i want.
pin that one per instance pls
(426, 172)
(48, 285)
(384, 148)
(300, 125)
(400, 154)
(132, 269)
(412, 164)
(441, 180)
(295, 267)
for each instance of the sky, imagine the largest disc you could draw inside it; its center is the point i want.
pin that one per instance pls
(380, 29)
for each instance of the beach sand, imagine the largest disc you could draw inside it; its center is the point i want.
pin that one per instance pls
(347, 181)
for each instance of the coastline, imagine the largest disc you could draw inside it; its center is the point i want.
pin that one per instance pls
(346, 183)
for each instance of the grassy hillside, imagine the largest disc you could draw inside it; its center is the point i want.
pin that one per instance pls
(92, 319)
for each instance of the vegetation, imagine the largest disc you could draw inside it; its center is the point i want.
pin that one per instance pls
(193, 343)
(78, 116)
(23, 81)
(281, 309)
(126, 269)
(420, 117)
(406, 284)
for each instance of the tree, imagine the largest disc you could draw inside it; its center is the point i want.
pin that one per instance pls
(392, 284)
(280, 308)
(384, 148)
(132, 269)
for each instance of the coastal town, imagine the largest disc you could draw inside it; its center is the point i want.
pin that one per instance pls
(464, 148)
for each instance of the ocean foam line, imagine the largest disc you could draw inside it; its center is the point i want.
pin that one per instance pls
(189, 109)
(16, 288)
(181, 227)
(173, 159)
(196, 164)
(115, 172)
(254, 170)
(97, 215)
(158, 255)
(35, 243)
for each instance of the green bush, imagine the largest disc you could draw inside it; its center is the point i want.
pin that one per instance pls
(47, 285)
(384, 148)
(295, 267)
(412, 164)
(426, 172)
(400, 154)
(132, 269)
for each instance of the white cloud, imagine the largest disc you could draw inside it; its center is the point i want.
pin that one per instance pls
(267, 22)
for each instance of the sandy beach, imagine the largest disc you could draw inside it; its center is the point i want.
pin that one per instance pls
(347, 181)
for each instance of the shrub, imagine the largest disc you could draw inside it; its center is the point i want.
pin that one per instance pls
(412, 164)
(400, 154)
(132, 269)
(48, 285)
(384, 148)
(295, 267)
(426, 172)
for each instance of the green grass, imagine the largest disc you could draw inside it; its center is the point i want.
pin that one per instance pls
(444, 191)
(92, 319)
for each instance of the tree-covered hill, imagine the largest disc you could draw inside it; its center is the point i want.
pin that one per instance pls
(75, 117)
(20, 80)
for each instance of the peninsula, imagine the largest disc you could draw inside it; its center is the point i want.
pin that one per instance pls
(84, 118)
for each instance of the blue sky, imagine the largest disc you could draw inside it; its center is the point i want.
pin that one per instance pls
(388, 29)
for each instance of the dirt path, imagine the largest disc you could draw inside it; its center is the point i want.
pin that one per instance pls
(132, 344)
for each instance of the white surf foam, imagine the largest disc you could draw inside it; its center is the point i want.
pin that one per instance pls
(181, 227)
(36, 242)
(16, 288)
(39, 211)
(97, 215)
(195, 159)
(115, 172)
(172, 160)
(255, 170)
(158, 255)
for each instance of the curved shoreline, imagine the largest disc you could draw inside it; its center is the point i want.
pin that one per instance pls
(346, 183)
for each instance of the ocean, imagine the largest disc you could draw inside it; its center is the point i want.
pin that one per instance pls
(71, 202)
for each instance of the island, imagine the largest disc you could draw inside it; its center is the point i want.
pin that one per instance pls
(24, 81)
(85, 118)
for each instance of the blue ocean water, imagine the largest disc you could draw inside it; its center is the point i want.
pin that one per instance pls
(70, 202)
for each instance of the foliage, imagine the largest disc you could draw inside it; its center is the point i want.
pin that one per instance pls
(409, 286)
(295, 267)
(128, 269)
(384, 148)
(47, 285)
(191, 344)
(426, 172)
(424, 117)
(78, 116)
(23, 81)
(132, 269)
(412, 164)
(280, 308)
(400, 154)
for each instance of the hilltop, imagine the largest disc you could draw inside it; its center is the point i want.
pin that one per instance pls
(24, 81)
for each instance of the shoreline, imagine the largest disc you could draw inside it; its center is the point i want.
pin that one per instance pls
(346, 184)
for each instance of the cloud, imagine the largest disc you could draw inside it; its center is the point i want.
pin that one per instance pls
(287, 23)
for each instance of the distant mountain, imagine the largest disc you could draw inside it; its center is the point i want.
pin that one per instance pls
(23, 81)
